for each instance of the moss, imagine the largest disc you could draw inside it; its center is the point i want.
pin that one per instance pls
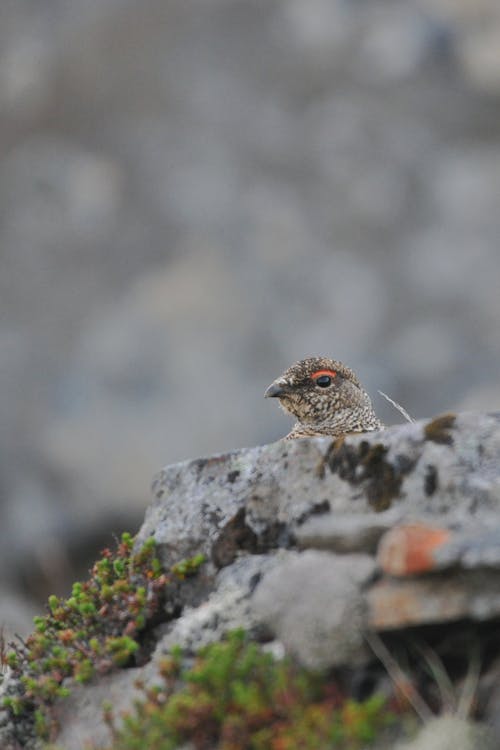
(438, 429)
(238, 697)
(100, 627)
(367, 464)
(188, 567)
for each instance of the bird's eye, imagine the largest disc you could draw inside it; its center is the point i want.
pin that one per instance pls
(323, 381)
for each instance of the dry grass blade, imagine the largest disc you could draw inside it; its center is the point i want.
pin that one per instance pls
(397, 406)
(460, 706)
(399, 678)
(440, 677)
(469, 689)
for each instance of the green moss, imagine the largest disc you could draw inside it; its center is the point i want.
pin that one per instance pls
(188, 567)
(15, 705)
(238, 697)
(98, 628)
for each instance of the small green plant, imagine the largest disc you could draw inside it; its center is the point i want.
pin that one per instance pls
(238, 697)
(188, 567)
(95, 630)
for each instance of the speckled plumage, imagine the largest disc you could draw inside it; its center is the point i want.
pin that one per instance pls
(337, 408)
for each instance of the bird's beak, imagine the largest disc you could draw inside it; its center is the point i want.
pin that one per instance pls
(275, 390)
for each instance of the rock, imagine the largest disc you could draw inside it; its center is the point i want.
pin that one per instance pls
(229, 607)
(81, 715)
(473, 548)
(427, 469)
(451, 733)
(421, 547)
(349, 532)
(312, 603)
(434, 599)
(197, 500)
(431, 475)
(410, 549)
(311, 544)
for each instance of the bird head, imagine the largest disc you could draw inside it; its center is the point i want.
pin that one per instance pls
(317, 388)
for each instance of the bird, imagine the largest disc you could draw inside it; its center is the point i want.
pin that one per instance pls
(326, 397)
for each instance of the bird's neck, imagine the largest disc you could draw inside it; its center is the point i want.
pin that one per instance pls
(342, 423)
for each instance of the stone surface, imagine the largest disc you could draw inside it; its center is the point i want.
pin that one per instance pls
(194, 502)
(311, 544)
(411, 548)
(422, 547)
(81, 715)
(432, 469)
(440, 477)
(395, 603)
(451, 733)
(227, 608)
(349, 532)
(312, 603)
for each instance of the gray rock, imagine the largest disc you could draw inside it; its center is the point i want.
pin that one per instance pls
(81, 714)
(474, 548)
(451, 733)
(395, 604)
(257, 512)
(444, 469)
(349, 532)
(195, 501)
(424, 546)
(227, 608)
(312, 603)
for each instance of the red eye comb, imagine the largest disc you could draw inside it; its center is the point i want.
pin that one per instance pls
(319, 373)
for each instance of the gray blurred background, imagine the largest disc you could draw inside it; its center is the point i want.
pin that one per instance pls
(196, 193)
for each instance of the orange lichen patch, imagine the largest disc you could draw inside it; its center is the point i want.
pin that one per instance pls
(406, 550)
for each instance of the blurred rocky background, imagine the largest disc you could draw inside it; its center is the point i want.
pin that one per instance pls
(195, 193)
